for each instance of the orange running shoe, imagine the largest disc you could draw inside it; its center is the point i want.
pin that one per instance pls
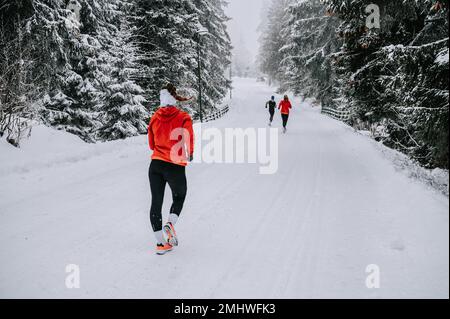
(171, 235)
(163, 249)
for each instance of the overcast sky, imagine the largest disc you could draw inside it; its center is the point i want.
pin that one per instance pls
(245, 16)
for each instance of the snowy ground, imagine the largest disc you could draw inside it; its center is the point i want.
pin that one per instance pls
(336, 205)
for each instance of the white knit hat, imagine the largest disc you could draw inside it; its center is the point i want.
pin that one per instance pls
(166, 99)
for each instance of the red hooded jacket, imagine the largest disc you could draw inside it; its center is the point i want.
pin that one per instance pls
(285, 107)
(171, 136)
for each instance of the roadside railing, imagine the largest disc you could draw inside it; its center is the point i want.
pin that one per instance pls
(216, 115)
(340, 115)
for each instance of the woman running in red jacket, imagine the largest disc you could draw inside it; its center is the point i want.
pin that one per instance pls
(171, 138)
(285, 107)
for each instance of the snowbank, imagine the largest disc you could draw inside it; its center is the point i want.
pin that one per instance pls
(437, 179)
(48, 148)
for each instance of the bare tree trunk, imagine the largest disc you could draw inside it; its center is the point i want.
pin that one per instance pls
(16, 86)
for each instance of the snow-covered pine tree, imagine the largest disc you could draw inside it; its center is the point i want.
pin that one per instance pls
(82, 104)
(73, 102)
(38, 31)
(17, 90)
(308, 53)
(215, 51)
(419, 92)
(398, 73)
(242, 62)
(124, 114)
(166, 31)
(272, 41)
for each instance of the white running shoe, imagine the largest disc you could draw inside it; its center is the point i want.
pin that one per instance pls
(171, 234)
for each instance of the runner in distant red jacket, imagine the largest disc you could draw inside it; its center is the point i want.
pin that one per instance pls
(171, 138)
(285, 107)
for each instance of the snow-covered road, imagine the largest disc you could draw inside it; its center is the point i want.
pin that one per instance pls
(335, 206)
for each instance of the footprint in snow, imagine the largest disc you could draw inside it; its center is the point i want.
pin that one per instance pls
(398, 245)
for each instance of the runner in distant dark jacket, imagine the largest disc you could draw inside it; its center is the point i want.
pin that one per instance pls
(272, 105)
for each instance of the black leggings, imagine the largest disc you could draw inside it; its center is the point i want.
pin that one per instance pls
(272, 114)
(159, 174)
(285, 118)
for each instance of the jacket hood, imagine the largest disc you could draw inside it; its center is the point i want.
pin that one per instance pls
(166, 99)
(167, 114)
